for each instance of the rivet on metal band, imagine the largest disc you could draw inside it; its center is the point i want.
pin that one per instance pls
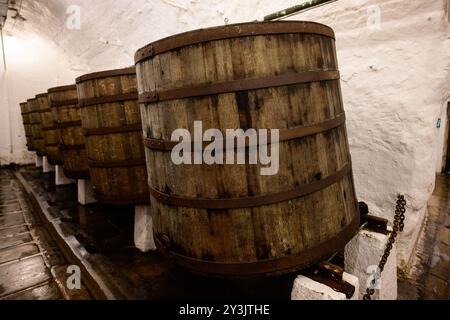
(251, 202)
(239, 85)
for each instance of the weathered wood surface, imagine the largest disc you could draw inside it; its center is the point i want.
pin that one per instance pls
(49, 130)
(260, 239)
(36, 127)
(117, 159)
(26, 119)
(66, 115)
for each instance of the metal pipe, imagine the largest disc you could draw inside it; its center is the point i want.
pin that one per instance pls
(3, 47)
(308, 5)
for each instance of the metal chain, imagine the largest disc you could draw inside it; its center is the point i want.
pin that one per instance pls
(399, 224)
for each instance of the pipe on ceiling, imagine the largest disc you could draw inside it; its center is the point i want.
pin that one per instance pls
(308, 5)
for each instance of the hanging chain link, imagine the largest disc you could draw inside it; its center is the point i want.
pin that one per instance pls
(399, 224)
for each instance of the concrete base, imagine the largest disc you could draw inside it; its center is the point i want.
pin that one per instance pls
(39, 162)
(143, 229)
(362, 256)
(308, 289)
(85, 192)
(47, 167)
(60, 177)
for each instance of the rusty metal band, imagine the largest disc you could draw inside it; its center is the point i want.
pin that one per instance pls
(38, 138)
(62, 88)
(62, 125)
(45, 110)
(71, 148)
(116, 164)
(34, 124)
(230, 32)
(64, 103)
(42, 95)
(251, 202)
(285, 135)
(76, 174)
(131, 71)
(52, 145)
(105, 131)
(271, 266)
(28, 113)
(108, 99)
(122, 200)
(49, 128)
(238, 85)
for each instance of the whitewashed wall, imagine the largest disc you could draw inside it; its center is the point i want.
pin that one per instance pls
(393, 54)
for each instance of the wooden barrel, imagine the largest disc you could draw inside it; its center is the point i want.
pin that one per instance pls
(36, 127)
(67, 118)
(113, 129)
(49, 130)
(26, 117)
(230, 220)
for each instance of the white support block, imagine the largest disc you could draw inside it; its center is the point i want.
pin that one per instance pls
(362, 256)
(47, 167)
(85, 192)
(308, 289)
(143, 229)
(39, 161)
(60, 177)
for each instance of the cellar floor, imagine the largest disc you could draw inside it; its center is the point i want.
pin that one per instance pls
(31, 265)
(106, 247)
(101, 239)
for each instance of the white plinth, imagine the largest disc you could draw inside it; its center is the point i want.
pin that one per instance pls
(60, 177)
(308, 289)
(143, 229)
(39, 161)
(85, 192)
(362, 256)
(46, 166)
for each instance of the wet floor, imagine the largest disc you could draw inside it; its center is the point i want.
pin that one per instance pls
(30, 261)
(431, 270)
(106, 233)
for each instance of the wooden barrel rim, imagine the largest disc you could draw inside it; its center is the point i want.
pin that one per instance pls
(255, 201)
(88, 102)
(285, 135)
(290, 262)
(42, 95)
(228, 32)
(62, 88)
(63, 103)
(239, 85)
(106, 74)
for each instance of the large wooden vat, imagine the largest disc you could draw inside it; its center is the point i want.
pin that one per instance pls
(26, 118)
(49, 130)
(66, 115)
(112, 126)
(229, 220)
(36, 127)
